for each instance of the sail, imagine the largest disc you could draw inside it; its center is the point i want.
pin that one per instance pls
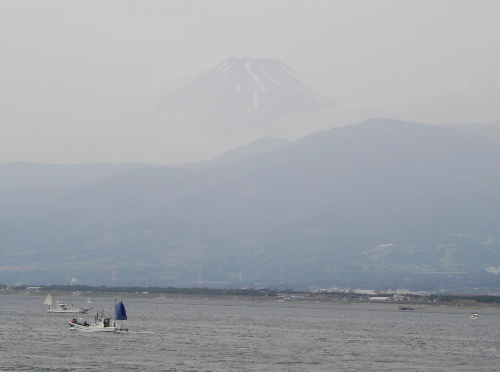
(121, 313)
(48, 300)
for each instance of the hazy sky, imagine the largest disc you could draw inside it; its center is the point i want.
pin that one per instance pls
(80, 81)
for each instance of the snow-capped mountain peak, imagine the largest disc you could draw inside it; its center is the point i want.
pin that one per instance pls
(256, 89)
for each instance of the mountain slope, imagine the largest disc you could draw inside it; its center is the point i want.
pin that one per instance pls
(19, 174)
(260, 146)
(351, 206)
(490, 131)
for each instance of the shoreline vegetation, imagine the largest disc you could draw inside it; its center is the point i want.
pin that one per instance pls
(281, 295)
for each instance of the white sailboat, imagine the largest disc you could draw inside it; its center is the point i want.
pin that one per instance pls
(102, 323)
(48, 300)
(61, 307)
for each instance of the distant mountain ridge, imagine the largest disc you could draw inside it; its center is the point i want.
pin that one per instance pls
(18, 174)
(249, 90)
(490, 131)
(362, 205)
(260, 146)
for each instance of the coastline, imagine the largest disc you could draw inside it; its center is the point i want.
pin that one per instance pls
(414, 307)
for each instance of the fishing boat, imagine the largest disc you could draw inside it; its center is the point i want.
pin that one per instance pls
(103, 323)
(61, 307)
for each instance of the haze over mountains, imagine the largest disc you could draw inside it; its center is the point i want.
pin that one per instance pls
(364, 205)
(367, 204)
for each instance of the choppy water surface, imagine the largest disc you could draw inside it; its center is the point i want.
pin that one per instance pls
(246, 335)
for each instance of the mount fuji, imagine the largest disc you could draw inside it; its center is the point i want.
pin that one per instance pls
(248, 91)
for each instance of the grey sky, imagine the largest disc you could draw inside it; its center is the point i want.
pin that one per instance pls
(80, 82)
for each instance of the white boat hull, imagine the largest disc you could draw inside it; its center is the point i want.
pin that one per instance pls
(61, 307)
(67, 311)
(92, 328)
(102, 325)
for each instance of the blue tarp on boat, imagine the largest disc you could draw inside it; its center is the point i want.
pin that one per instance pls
(121, 313)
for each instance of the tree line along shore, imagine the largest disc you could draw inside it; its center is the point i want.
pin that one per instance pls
(250, 292)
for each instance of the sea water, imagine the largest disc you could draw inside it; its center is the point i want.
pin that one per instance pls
(174, 334)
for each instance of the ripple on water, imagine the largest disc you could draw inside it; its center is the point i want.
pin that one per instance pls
(174, 335)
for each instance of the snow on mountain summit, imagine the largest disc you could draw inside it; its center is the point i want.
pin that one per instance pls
(242, 89)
